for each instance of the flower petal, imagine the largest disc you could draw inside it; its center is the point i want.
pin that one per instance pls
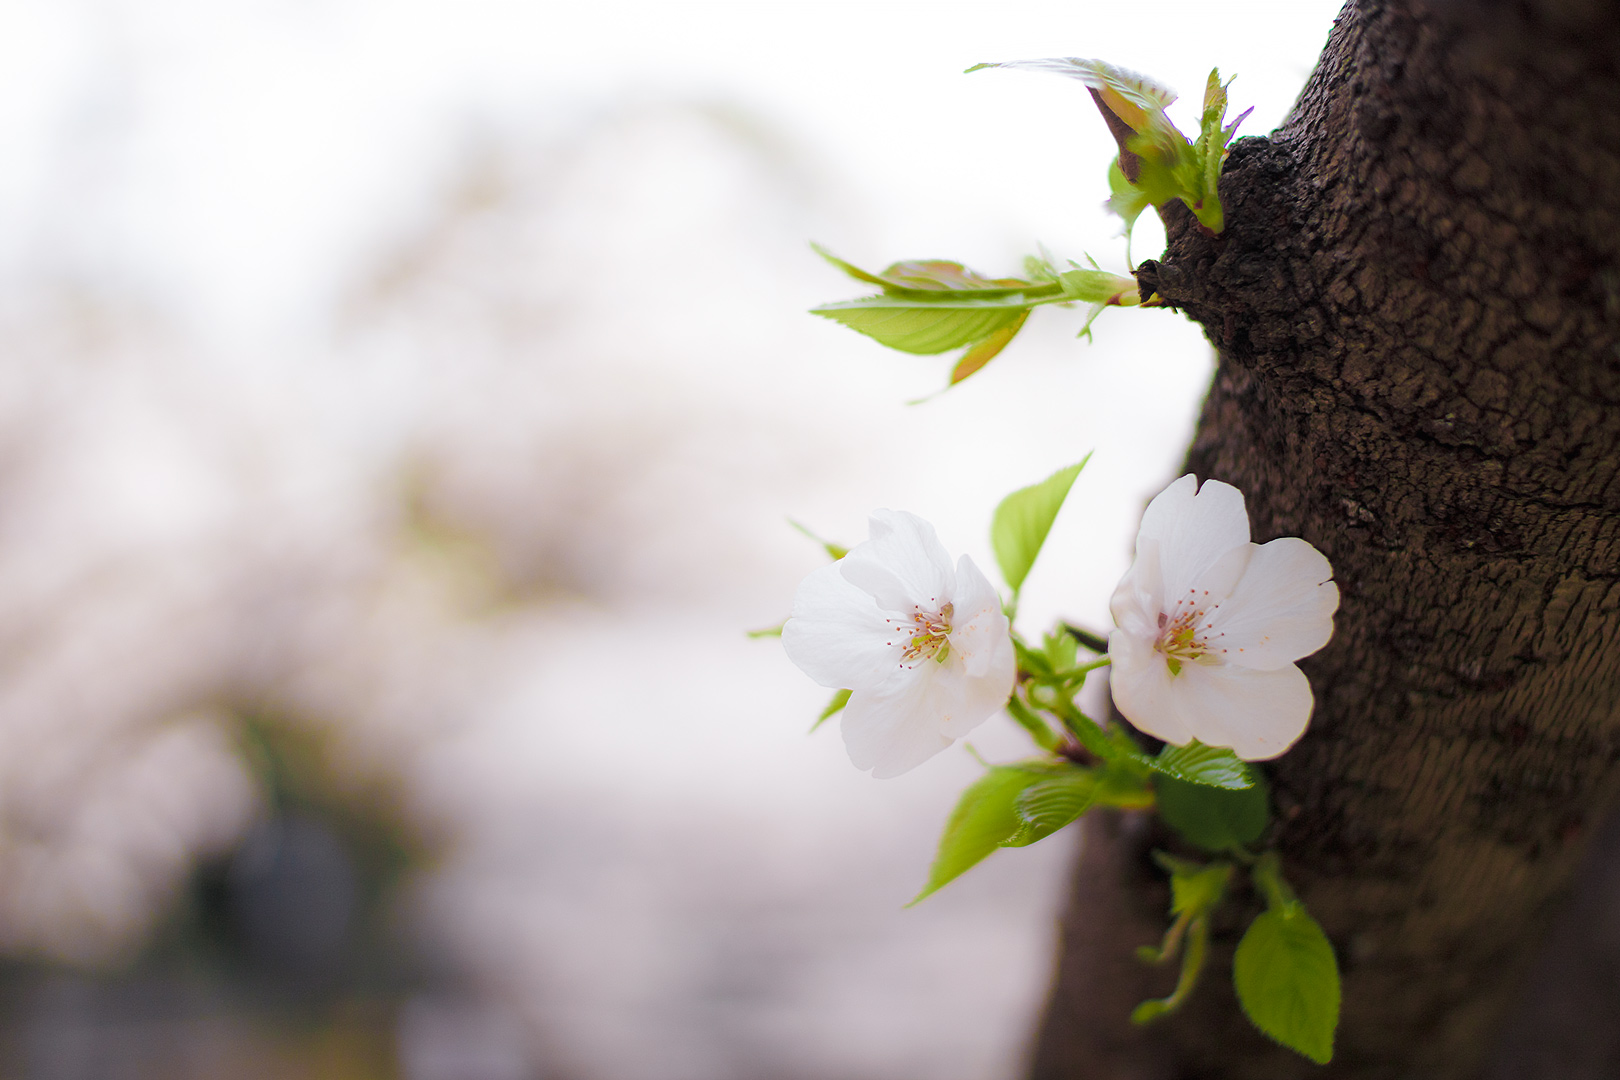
(1281, 610)
(1143, 689)
(983, 694)
(896, 727)
(903, 565)
(1193, 531)
(1259, 714)
(981, 637)
(838, 635)
(1139, 597)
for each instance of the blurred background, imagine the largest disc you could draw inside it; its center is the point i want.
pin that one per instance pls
(400, 405)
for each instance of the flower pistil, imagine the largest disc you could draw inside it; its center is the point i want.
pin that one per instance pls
(1184, 633)
(930, 636)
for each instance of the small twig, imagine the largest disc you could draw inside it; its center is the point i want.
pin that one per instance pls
(1094, 642)
(1129, 163)
(1078, 754)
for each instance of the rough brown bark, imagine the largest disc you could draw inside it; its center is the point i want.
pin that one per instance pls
(1417, 309)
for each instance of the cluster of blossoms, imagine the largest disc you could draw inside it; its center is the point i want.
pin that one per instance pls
(1208, 627)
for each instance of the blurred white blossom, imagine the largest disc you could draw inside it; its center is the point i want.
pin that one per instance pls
(1208, 625)
(924, 647)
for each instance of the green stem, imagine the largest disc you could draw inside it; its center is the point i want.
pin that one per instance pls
(1038, 729)
(1081, 726)
(1060, 298)
(1171, 943)
(1267, 876)
(1079, 674)
(1241, 854)
(1192, 964)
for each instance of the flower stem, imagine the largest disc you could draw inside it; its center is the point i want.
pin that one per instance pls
(1038, 729)
(1192, 963)
(1078, 674)
(1086, 730)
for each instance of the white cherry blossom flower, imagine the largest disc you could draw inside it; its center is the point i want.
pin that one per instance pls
(924, 647)
(1208, 625)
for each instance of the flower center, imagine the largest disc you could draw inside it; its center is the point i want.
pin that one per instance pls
(930, 635)
(1184, 632)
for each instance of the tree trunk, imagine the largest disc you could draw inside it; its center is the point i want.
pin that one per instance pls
(1416, 304)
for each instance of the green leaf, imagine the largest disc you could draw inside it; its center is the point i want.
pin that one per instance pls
(927, 326)
(834, 707)
(1100, 287)
(987, 350)
(849, 268)
(1211, 145)
(1195, 763)
(1167, 170)
(1214, 819)
(939, 277)
(1023, 520)
(1091, 317)
(1039, 267)
(1048, 805)
(934, 305)
(1124, 747)
(1198, 889)
(985, 818)
(1155, 158)
(1210, 153)
(1135, 99)
(768, 631)
(1029, 660)
(1125, 199)
(1061, 649)
(1288, 981)
(1123, 787)
(1231, 129)
(942, 275)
